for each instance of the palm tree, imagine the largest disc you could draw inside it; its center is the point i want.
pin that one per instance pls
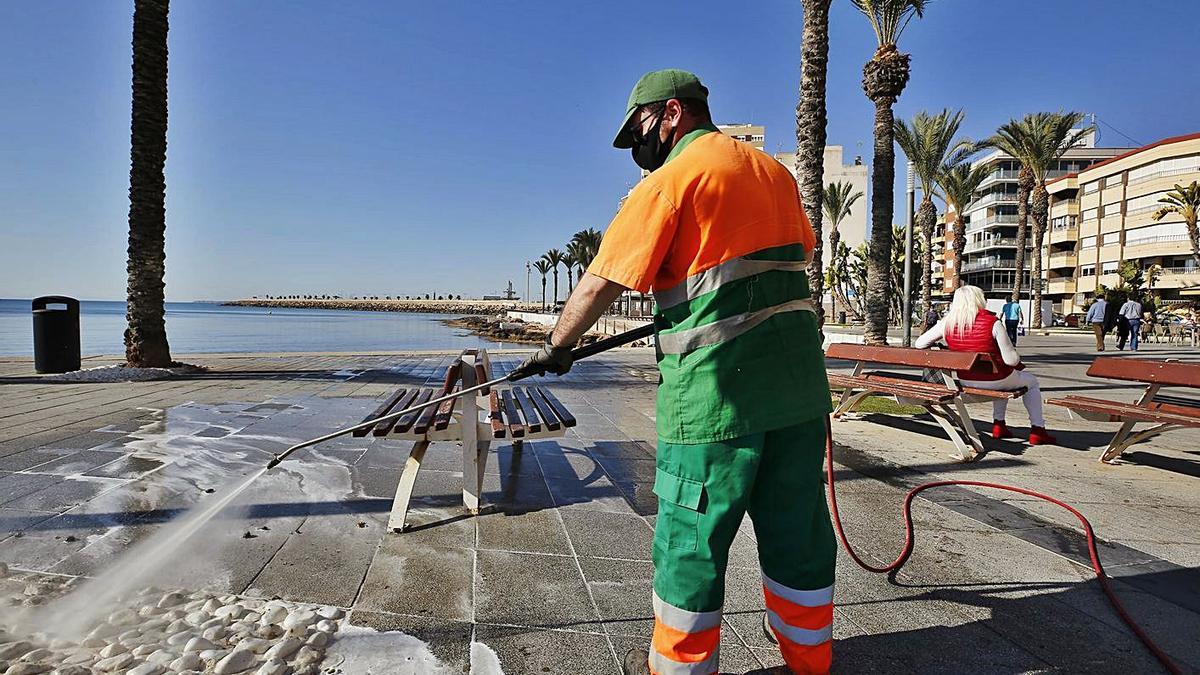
(856, 269)
(928, 141)
(1185, 202)
(884, 78)
(542, 266)
(959, 183)
(554, 257)
(570, 261)
(811, 120)
(589, 245)
(840, 279)
(1036, 141)
(146, 335)
(837, 201)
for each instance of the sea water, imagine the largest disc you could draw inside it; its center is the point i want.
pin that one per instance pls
(208, 327)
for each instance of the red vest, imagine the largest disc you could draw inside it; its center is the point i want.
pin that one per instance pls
(978, 338)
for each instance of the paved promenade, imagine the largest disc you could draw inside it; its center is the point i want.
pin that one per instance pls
(554, 576)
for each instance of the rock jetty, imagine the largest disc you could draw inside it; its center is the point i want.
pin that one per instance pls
(477, 307)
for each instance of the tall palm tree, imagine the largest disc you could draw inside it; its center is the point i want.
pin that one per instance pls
(146, 335)
(1036, 141)
(554, 257)
(884, 78)
(837, 199)
(1185, 202)
(928, 142)
(542, 266)
(811, 120)
(570, 261)
(959, 183)
(589, 245)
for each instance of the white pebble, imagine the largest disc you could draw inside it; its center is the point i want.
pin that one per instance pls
(3, 570)
(273, 614)
(211, 606)
(215, 633)
(26, 668)
(144, 650)
(72, 669)
(231, 611)
(113, 649)
(318, 640)
(115, 663)
(235, 662)
(162, 657)
(14, 650)
(300, 617)
(307, 655)
(175, 615)
(170, 600)
(229, 599)
(194, 606)
(215, 621)
(129, 635)
(329, 612)
(189, 661)
(273, 668)
(37, 655)
(283, 649)
(255, 645)
(147, 669)
(197, 618)
(181, 637)
(327, 626)
(212, 654)
(199, 644)
(93, 642)
(123, 617)
(79, 656)
(268, 631)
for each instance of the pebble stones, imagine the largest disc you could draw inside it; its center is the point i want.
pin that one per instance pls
(273, 613)
(147, 669)
(273, 668)
(115, 664)
(300, 618)
(26, 668)
(235, 662)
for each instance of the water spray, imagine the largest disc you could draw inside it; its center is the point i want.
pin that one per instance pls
(519, 374)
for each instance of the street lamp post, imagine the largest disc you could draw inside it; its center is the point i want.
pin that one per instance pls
(908, 259)
(528, 271)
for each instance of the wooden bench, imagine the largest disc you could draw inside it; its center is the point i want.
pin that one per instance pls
(517, 413)
(1164, 412)
(946, 399)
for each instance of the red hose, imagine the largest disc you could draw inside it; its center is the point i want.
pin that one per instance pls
(905, 552)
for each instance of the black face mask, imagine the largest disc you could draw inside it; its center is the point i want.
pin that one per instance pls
(650, 152)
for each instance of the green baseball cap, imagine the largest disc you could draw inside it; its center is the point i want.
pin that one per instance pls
(659, 85)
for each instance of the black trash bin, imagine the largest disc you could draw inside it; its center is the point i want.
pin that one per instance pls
(55, 334)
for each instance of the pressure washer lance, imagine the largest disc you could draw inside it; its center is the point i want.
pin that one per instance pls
(577, 354)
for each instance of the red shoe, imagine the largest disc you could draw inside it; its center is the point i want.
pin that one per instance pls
(1039, 436)
(1000, 430)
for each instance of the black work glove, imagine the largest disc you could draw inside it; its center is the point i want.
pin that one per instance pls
(548, 359)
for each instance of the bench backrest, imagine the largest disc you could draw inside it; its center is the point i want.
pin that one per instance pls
(1166, 373)
(906, 356)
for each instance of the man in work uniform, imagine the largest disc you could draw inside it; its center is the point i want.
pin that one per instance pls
(718, 232)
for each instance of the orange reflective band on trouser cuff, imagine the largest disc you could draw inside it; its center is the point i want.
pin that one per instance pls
(803, 660)
(799, 616)
(661, 664)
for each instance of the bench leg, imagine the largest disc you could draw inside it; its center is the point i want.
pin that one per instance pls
(969, 447)
(404, 489)
(849, 401)
(1124, 438)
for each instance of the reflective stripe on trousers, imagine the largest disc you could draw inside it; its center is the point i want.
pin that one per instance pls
(684, 341)
(802, 621)
(685, 643)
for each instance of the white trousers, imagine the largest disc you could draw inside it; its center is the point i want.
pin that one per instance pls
(1018, 378)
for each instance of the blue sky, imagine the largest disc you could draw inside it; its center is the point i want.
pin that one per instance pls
(401, 147)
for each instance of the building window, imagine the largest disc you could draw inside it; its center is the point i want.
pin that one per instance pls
(1109, 268)
(1087, 242)
(1143, 203)
(1111, 239)
(1112, 181)
(1090, 214)
(1165, 167)
(1113, 209)
(1087, 271)
(1163, 232)
(1089, 188)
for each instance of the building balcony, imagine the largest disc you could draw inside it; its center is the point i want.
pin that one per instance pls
(1065, 259)
(1060, 286)
(977, 224)
(1000, 175)
(992, 242)
(1178, 277)
(989, 262)
(1063, 233)
(994, 198)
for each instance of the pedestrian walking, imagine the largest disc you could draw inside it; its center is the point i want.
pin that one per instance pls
(1013, 317)
(1095, 317)
(1131, 312)
(931, 318)
(969, 327)
(718, 232)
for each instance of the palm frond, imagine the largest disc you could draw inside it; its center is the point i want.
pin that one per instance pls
(837, 200)
(1039, 139)
(889, 18)
(928, 142)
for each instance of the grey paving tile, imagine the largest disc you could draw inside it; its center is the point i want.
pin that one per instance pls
(78, 462)
(532, 590)
(611, 535)
(418, 579)
(450, 641)
(599, 494)
(19, 520)
(301, 569)
(532, 650)
(27, 459)
(62, 495)
(16, 485)
(525, 530)
(622, 590)
(126, 467)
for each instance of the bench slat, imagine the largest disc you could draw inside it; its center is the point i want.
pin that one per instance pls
(406, 421)
(565, 415)
(905, 356)
(531, 417)
(445, 413)
(1166, 373)
(972, 391)
(379, 412)
(890, 386)
(425, 419)
(543, 409)
(494, 417)
(383, 428)
(1149, 412)
(516, 425)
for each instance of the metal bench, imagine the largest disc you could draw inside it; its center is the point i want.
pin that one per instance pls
(518, 413)
(1164, 412)
(945, 400)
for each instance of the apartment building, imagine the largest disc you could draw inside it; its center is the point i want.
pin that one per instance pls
(853, 230)
(989, 256)
(754, 134)
(1102, 216)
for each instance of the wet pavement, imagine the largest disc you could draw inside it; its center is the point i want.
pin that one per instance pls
(554, 575)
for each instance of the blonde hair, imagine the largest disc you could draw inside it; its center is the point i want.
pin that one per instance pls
(968, 300)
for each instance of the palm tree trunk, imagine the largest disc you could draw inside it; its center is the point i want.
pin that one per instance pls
(960, 245)
(556, 287)
(543, 292)
(810, 133)
(1024, 185)
(834, 238)
(146, 335)
(1193, 230)
(1039, 209)
(927, 217)
(570, 281)
(879, 282)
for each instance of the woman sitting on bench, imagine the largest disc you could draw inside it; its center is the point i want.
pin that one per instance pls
(969, 327)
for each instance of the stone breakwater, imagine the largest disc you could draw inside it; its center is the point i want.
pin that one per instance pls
(500, 329)
(160, 631)
(414, 306)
